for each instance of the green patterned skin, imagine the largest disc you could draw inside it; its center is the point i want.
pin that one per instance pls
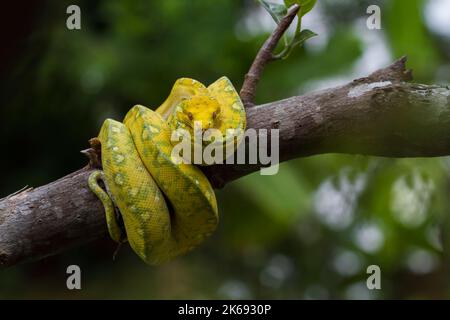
(167, 208)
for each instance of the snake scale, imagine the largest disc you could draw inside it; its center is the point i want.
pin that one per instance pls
(166, 208)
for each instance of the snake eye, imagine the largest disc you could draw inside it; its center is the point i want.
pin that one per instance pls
(214, 115)
(190, 116)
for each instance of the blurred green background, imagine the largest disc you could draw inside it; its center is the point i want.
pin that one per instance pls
(308, 232)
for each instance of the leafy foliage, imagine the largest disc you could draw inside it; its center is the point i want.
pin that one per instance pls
(278, 11)
(305, 5)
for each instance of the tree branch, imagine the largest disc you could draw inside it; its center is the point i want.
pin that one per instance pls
(378, 115)
(264, 56)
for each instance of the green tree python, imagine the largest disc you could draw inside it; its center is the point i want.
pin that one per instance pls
(167, 207)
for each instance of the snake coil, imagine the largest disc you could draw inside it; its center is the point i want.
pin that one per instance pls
(167, 208)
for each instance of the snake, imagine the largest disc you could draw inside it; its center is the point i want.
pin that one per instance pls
(163, 208)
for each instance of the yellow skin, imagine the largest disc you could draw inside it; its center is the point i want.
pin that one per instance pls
(140, 175)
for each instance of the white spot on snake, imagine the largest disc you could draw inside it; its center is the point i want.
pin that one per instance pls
(118, 158)
(236, 106)
(115, 148)
(196, 182)
(145, 134)
(153, 129)
(229, 89)
(146, 216)
(133, 208)
(140, 232)
(132, 192)
(363, 88)
(115, 129)
(118, 179)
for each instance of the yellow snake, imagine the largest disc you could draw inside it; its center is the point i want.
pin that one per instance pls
(167, 208)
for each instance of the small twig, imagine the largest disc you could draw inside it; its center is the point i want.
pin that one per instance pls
(94, 154)
(264, 56)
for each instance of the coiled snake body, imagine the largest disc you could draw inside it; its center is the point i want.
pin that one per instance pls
(167, 208)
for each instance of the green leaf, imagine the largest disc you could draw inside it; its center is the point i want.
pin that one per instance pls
(298, 40)
(305, 5)
(302, 36)
(276, 10)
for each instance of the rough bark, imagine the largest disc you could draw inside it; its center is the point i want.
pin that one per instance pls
(378, 115)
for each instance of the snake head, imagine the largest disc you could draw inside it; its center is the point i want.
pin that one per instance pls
(199, 108)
